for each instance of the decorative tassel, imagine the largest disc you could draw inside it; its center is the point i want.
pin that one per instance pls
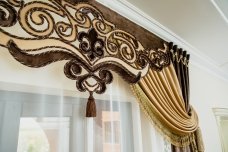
(91, 107)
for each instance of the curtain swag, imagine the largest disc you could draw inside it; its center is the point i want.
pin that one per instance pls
(164, 98)
(176, 126)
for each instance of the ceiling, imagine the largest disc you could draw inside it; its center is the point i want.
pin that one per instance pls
(198, 22)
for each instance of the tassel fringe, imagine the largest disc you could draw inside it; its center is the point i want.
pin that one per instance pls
(91, 107)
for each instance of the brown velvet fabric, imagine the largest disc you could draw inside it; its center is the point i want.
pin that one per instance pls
(180, 60)
(148, 39)
(181, 149)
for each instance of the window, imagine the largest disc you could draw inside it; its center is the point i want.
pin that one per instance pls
(111, 125)
(118, 127)
(49, 123)
(48, 134)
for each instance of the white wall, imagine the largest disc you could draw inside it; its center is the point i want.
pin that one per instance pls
(207, 92)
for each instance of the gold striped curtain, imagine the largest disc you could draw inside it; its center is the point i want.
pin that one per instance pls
(160, 97)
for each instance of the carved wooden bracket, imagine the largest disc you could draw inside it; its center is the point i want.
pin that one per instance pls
(58, 30)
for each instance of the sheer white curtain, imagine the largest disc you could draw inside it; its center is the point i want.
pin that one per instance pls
(43, 119)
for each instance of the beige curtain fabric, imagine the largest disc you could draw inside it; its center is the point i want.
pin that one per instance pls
(159, 95)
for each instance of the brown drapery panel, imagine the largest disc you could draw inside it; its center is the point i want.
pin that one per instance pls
(180, 60)
(160, 97)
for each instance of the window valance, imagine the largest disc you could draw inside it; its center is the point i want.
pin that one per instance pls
(95, 41)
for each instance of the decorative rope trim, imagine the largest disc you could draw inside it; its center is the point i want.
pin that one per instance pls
(177, 140)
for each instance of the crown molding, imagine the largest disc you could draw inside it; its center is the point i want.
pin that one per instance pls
(218, 4)
(136, 15)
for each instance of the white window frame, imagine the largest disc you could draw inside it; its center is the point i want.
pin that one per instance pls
(18, 109)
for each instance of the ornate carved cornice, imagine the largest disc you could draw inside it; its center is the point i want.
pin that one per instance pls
(78, 33)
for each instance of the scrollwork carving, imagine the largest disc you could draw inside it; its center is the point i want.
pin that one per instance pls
(8, 15)
(122, 44)
(93, 47)
(78, 33)
(156, 59)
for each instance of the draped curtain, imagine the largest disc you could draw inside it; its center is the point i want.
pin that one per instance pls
(164, 97)
(180, 60)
